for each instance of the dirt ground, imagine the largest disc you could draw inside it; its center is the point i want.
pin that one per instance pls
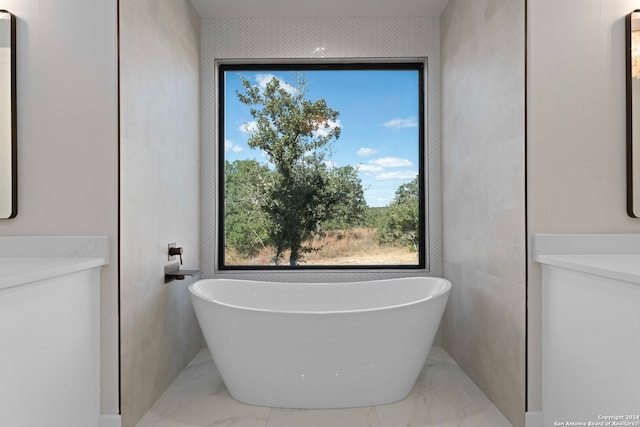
(341, 247)
(383, 256)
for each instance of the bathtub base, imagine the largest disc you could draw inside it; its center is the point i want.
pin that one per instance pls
(320, 397)
(316, 361)
(316, 403)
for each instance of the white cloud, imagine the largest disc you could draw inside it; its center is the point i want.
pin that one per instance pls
(409, 122)
(364, 151)
(330, 164)
(395, 175)
(263, 79)
(228, 145)
(391, 162)
(327, 127)
(369, 168)
(378, 165)
(249, 127)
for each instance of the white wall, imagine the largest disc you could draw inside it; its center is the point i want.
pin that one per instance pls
(576, 131)
(297, 38)
(160, 191)
(68, 141)
(483, 192)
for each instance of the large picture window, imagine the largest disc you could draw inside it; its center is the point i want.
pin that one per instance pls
(321, 166)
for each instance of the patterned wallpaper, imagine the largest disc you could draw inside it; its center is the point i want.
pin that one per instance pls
(343, 38)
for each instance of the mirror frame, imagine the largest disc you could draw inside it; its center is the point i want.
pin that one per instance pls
(14, 121)
(633, 191)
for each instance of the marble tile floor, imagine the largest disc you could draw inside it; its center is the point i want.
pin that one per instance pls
(443, 396)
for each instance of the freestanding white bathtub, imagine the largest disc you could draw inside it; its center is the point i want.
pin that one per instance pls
(319, 345)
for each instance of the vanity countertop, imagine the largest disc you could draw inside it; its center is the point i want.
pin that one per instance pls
(625, 267)
(21, 271)
(28, 259)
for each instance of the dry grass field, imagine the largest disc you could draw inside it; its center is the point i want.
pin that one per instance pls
(341, 247)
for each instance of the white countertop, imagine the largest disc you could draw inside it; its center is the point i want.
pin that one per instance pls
(21, 271)
(625, 267)
(27, 259)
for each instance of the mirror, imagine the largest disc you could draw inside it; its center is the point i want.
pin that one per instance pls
(8, 131)
(633, 112)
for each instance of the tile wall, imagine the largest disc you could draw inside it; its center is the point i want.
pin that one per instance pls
(160, 175)
(483, 164)
(343, 38)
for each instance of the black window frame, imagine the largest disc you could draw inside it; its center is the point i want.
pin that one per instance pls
(315, 66)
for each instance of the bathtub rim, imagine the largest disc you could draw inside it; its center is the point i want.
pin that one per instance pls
(442, 292)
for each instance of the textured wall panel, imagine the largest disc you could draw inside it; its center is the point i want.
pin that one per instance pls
(159, 175)
(483, 196)
(297, 38)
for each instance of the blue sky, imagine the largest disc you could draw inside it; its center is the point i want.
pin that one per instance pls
(378, 120)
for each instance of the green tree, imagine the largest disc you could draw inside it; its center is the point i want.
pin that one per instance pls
(347, 206)
(246, 225)
(294, 133)
(400, 222)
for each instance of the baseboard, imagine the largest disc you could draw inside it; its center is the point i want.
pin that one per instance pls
(534, 419)
(110, 421)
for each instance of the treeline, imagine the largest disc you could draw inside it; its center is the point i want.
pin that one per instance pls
(328, 198)
(399, 223)
(299, 198)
